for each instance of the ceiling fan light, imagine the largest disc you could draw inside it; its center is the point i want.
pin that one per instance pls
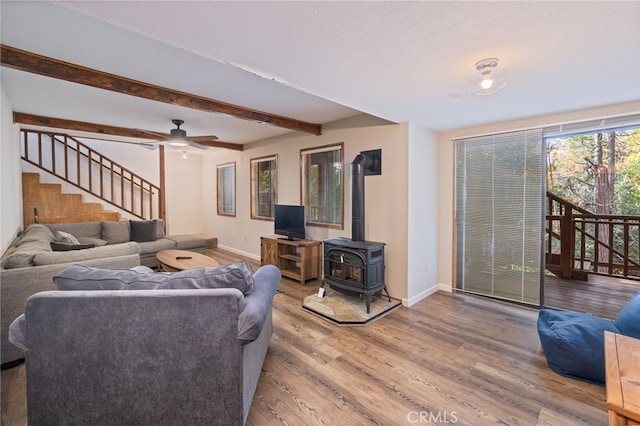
(177, 142)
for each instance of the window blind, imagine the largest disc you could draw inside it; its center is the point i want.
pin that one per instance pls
(499, 211)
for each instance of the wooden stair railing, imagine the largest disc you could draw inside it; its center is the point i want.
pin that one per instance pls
(81, 166)
(575, 248)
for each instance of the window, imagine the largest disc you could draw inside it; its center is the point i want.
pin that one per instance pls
(264, 187)
(322, 185)
(227, 189)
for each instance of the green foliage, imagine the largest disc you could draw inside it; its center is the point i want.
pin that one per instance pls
(571, 166)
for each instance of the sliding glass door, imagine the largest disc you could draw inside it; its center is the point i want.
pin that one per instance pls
(499, 215)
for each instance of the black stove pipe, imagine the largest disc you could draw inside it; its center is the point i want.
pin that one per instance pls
(357, 194)
(357, 198)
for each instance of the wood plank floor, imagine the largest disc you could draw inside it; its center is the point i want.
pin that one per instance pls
(600, 295)
(451, 358)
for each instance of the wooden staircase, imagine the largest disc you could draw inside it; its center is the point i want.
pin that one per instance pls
(578, 272)
(54, 206)
(79, 165)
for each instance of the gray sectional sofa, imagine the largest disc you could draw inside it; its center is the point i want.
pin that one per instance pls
(155, 348)
(42, 251)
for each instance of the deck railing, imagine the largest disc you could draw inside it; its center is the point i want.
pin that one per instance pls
(81, 166)
(598, 244)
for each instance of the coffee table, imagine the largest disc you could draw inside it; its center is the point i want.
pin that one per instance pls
(179, 260)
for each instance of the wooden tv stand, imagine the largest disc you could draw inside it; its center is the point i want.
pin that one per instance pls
(300, 260)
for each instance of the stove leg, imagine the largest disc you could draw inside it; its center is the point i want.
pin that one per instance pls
(386, 291)
(368, 303)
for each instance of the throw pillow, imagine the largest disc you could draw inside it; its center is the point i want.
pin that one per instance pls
(159, 229)
(628, 320)
(65, 237)
(143, 230)
(67, 247)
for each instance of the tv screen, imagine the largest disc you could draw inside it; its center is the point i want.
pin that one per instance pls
(290, 221)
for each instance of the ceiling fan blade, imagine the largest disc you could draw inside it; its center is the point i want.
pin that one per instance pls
(196, 145)
(155, 135)
(202, 138)
(222, 144)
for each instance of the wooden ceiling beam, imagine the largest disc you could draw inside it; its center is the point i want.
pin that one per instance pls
(102, 129)
(30, 62)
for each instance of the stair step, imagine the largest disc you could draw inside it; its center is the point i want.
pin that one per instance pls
(54, 206)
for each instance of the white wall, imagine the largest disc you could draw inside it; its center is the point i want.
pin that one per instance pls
(10, 177)
(182, 179)
(446, 171)
(385, 195)
(423, 250)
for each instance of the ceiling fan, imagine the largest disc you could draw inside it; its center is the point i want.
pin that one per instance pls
(178, 137)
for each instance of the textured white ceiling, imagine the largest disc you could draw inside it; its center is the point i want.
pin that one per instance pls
(322, 61)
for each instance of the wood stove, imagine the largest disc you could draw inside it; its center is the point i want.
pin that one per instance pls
(355, 265)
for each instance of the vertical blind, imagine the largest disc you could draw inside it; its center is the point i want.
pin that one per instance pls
(499, 215)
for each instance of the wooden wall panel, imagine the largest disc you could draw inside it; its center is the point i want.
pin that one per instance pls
(56, 207)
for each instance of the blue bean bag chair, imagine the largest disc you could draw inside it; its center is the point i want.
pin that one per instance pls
(573, 342)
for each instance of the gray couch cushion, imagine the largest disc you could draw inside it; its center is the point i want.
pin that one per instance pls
(104, 252)
(116, 232)
(78, 229)
(143, 230)
(18, 332)
(258, 304)
(79, 277)
(15, 258)
(188, 241)
(35, 232)
(25, 252)
(235, 275)
(157, 245)
(98, 242)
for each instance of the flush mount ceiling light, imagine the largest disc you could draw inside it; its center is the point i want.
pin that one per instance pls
(489, 78)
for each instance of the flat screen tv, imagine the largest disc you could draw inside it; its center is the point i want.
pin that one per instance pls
(290, 221)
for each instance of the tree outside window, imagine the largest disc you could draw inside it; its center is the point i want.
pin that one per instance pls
(264, 187)
(227, 189)
(322, 185)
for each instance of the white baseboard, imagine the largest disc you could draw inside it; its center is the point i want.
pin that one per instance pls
(426, 293)
(240, 252)
(445, 287)
(422, 295)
